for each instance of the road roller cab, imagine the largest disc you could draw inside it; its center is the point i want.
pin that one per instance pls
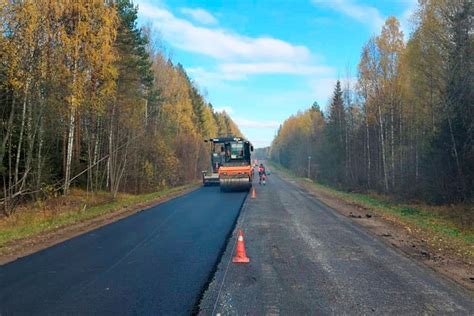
(230, 157)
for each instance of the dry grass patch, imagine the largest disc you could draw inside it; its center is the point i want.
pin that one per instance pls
(34, 218)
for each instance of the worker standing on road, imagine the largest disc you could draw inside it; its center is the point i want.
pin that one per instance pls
(262, 174)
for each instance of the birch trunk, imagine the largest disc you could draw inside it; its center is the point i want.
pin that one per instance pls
(70, 143)
(39, 157)
(8, 130)
(110, 161)
(368, 152)
(22, 129)
(392, 146)
(382, 140)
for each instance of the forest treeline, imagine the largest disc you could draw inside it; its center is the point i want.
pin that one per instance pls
(88, 100)
(406, 126)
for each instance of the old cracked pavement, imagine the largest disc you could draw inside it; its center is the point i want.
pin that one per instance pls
(307, 259)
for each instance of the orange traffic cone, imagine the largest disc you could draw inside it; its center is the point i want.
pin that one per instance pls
(253, 193)
(241, 256)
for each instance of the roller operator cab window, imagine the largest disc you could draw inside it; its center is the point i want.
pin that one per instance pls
(234, 151)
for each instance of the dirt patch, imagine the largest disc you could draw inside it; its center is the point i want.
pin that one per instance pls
(401, 237)
(26, 246)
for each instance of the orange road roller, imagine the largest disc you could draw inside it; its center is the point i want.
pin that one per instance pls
(231, 164)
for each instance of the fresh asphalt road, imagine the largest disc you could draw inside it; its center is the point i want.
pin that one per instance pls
(154, 262)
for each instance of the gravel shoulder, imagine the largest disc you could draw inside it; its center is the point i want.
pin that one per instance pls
(412, 242)
(307, 258)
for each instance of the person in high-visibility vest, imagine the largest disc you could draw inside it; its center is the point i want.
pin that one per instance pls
(262, 174)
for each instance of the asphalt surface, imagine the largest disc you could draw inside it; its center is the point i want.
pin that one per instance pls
(307, 259)
(155, 262)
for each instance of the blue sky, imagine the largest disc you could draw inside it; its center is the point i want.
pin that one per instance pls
(262, 61)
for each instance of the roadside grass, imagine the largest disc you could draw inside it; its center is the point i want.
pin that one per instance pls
(43, 216)
(447, 228)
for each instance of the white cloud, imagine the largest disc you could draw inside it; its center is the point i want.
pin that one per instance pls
(247, 123)
(200, 15)
(203, 75)
(240, 71)
(213, 79)
(219, 43)
(369, 15)
(362, 13)
(405, 18)
(244, 69)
